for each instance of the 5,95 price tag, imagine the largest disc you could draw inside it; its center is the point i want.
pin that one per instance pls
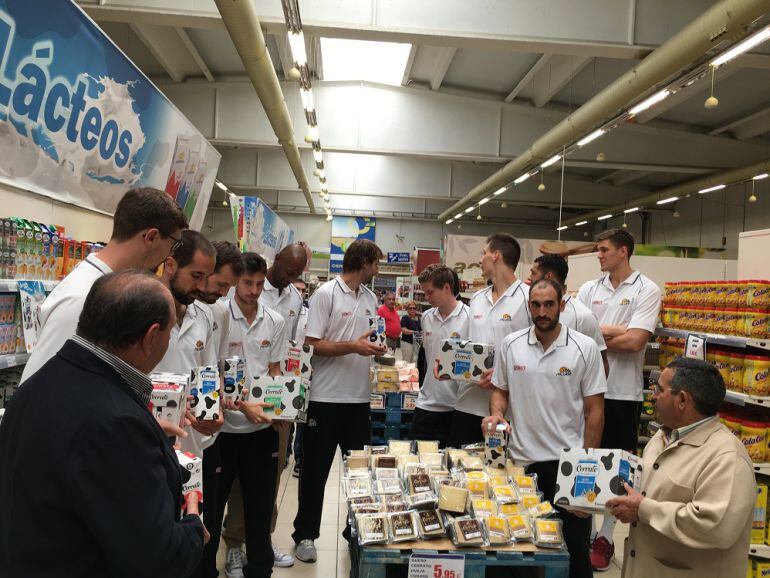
(436, 565)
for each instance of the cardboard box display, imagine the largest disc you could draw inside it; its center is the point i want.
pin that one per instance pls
(204, 389)
(235, 377)
(168, 399)
(192, 475)
(298, 360)
(495, 445)
(465, 360)
(588, 478)
(760, 513)
(286, 393)
(378, 324)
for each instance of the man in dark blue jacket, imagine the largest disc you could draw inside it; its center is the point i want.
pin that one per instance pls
(89, 484)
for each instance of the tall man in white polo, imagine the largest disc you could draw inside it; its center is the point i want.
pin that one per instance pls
(626, 303)
(496, 311)
(552, 379)
(338, 414)
(447, 319)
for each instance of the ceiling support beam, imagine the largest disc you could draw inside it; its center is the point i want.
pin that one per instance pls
(527, 78)
(409, 64)
(748, 126)
(446, 55)
(552, 78)
(196, 55)
(160, 42)
(284, 54)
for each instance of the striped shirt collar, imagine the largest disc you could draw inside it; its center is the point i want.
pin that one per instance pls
(672, 436)
(139, 383)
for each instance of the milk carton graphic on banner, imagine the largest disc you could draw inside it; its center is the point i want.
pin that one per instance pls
(204, 389)
(192, 198)
(178, 166)
(189, 178)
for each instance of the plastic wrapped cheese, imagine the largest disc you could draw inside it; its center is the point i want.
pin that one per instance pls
(548, 533)
(452, 499)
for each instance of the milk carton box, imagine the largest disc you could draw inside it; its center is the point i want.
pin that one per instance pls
(204, 389)
(588, 478)
(298, 359)
(168, 399)
(464, 360)
(495, 444)
(285, 393)
(378, 324)
(192, 475)
(235, 377)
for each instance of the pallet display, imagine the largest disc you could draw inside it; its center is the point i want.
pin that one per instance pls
(391, 416)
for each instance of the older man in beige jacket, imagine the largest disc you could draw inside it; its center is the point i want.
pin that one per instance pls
(693, 515)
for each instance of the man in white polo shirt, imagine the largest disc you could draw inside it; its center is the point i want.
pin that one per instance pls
(447, 319)
(552, 379)
(575, 315)
(338, 414)
(626, 303)
(496, 311)
(145, 230)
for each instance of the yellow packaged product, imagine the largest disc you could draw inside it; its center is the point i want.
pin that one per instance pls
(731, 294)
(756, 323)
(710, 320)
(760, 513)
(483, 507)
(761, 569)
(722, 363)
(476, 475)
(478, 488)
(525, 483)
(753, 437)
(733, 424)
(530, 500)
(720, 295)
(759, 294)
(498, 480)
(755, 375)
(512, 509)
(743, 294)
(735, 372)
(720, 321)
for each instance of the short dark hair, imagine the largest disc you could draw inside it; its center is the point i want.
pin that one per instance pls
(121, 307)
(701, 380)
(360, 253)
(439, 275)
(508, 246)
(254, 263)
(192, 242)
(550, 283)
(554, 264)
(147, 208)
(228, 254)
(619, 238)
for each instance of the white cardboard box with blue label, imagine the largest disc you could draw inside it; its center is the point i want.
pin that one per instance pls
(588, 478)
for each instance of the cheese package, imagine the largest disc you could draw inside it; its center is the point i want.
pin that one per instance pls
(464, 360)
(422, 500)
(285, 393)
(388, 486)
(372, 529)
(472, 463)
(760, 513)
(298, 359)
(452, 499)
(467, 532)
(513, 470)
(402, 527)
(526, 484)
(542, 510)
(168, 399)
(427, 447)
(413, 468)
(399, 506)
(192, 475)
(498, 480)
(418, 483)
(435, 461)
(483, 507)
(357, 486)
(235, 378)
(495, 444)
(399, 447)
(507, 494)
(377, 325)
(588, 478)
(512, 509)
(498, 532)
(386, 473)
(548, 533)
(204, 389)
(478, 488)
(521, 527)
(455, 456)
(383, 461)
(430, 524)
(357, 463)
(531, 500)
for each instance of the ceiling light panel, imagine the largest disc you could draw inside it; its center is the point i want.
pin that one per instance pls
(382, 62)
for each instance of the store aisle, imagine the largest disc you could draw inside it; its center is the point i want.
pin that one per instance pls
(333, 557)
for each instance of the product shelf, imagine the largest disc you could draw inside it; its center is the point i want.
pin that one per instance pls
(715, 339)
(12, 285)
(759, 551)
(13, 360)
(762, 468)
(742, 399)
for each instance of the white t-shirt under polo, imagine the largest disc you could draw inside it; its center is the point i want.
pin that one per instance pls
(337, 313)
(288, 305)
(490, 324)
(635, 304)
(546, 391)
(260, 344)
(437, 395)
(579, 317)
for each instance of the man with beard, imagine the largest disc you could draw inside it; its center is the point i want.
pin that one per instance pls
(145, 229)
(553, 380)
(338, 414)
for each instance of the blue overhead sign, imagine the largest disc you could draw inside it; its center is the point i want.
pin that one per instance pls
(398, 257)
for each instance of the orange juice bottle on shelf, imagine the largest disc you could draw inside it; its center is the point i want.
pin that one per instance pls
(722, 363)
(759, 294)
(731, 294)
(756, 323)
(735, 371)
(753, 436)
(755, 375)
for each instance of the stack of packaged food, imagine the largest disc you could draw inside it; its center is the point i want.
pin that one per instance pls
(409, 491)
(751, 428)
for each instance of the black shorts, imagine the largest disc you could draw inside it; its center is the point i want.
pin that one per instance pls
(431, 425)
(621, 425)
(466, 429)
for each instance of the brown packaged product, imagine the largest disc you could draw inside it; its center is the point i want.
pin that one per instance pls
(418, 483)
(396, 507)
(357, 463)
(402, 527)
(372, 529)
(430, 523)
(384, 461)
(467, 532)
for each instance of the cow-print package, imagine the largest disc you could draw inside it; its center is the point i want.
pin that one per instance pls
(285, 394)
(464, 360)
(204, 389)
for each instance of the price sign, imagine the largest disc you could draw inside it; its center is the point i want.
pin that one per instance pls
(436, 566)
(695, 347)
(376, 401)
(410, 402)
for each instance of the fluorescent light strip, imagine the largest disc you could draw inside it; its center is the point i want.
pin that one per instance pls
(667, 201)
(318, 156)
(297, 45)
(591, 137)
(649, 102)
(221, 186)
(710, 189)
(499, 191)
(561, 228)
(449, 221)
(484, 201)
(458, 216)
(553, 160)
(754, 40)
(632, 210)
(312, 132)
(307, 99)
(521, 179)
(603, 217)
(760, 177)
(581, 223)
(468, 210)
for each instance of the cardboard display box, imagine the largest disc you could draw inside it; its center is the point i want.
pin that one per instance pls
(204, 389)
(168, 399)
(192, 475)
(588, 478)
(465, 360)
(287, 395)
(235, 377)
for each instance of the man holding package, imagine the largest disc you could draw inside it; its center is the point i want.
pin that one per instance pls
(552, 379)
(694, 513)
(89, 483)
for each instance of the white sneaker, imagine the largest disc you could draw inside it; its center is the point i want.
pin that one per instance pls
(234, 563)
(306, 552)
(282, 560)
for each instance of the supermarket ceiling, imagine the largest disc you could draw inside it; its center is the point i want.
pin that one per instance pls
(480, 82)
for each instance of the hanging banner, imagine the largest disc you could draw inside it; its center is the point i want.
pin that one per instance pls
(345, 230)
(260, 230)
(81, 124)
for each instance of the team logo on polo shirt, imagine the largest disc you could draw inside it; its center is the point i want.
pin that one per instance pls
(625, 301)
(505, 317)
(564, 371)
(368, 311)
(347, 313)
(519, 368)
(454, 334)
(292, 313)
(478, 316)
(264, 343)
(199, 345)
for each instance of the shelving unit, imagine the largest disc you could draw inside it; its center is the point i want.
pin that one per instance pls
(13, 360)
(760, 551)
(715, 339)
(12, 285)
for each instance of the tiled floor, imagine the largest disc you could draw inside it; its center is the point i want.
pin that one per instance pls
(333, 557)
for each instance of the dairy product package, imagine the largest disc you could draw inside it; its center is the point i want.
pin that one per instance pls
(464, 360)
(168, 399)
(204, 389)
(298, 359)
(377, 323)
(235, 377)
(286, 393)
(495, 444)
(588, 478)
(192, 475)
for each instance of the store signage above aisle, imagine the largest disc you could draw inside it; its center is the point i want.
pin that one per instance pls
(258, 228)
(81, 124)
(345, 230)
(398, 257)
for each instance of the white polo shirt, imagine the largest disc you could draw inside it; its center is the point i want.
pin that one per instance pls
(60, 312)
(288, 304)
(299, 336)
(190, 345)
(579, 317)
(634, 305)
(546, 391)
(337, 313)
(260, 344)
(490, 323)
(436, 395)
(220, 314)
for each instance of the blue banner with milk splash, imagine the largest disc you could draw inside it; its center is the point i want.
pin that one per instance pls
(79, 122)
